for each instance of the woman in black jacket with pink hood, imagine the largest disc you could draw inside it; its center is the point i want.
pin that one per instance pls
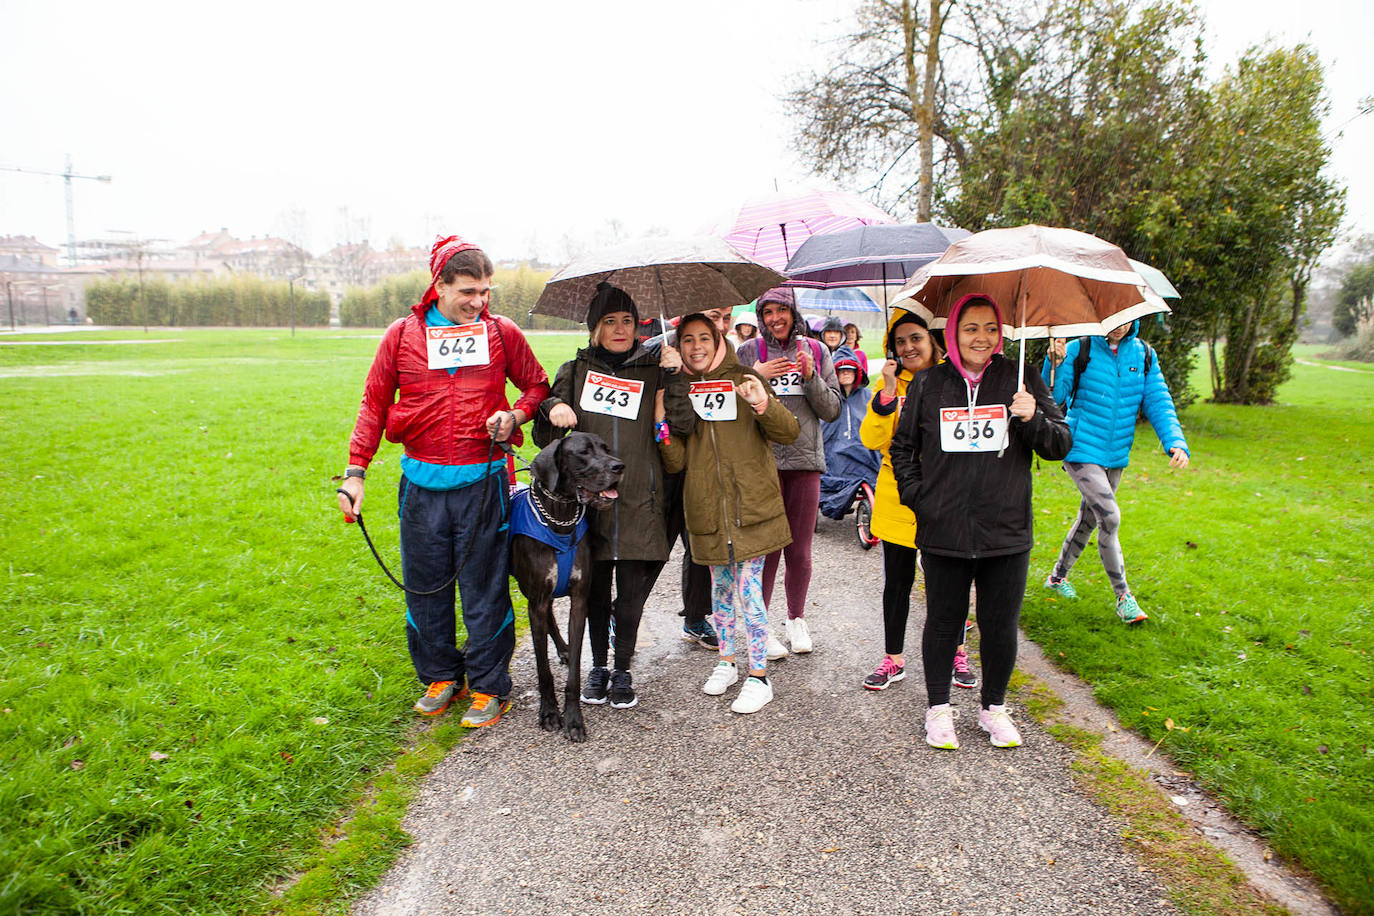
(961, 456)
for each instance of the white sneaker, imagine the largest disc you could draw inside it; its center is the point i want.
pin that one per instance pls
(723, 675)
(940, 727)
(753, 696)
(1001, 730)
(775, 649)
(799, 636)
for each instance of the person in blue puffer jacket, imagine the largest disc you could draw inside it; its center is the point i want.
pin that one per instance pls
(1121, 379)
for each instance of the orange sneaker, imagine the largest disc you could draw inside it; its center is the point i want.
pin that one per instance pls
(485, 710)
(437, 697)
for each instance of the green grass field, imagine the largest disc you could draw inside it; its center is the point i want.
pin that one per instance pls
(1255, 565)
(200, 665)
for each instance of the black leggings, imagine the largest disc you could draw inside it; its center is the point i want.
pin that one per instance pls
(899, 575)
(1001, 583)
(634, 580)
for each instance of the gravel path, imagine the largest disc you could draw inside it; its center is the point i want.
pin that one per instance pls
(827, 801)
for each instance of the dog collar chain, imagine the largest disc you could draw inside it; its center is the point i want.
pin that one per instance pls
(547, 516)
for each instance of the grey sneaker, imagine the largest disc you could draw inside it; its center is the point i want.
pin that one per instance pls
(596, 687)
(437, 696)
(622, 691)
(485, 710)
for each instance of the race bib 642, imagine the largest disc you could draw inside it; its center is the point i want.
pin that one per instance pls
(457, 346)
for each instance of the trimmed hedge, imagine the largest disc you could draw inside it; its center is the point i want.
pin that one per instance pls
(221, 302)
(514, 293)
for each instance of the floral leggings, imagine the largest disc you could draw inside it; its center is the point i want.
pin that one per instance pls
(738, 589)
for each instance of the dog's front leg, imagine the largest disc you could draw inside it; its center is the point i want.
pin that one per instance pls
(549, 717)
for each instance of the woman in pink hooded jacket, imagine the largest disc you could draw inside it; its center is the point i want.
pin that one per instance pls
(962, 456)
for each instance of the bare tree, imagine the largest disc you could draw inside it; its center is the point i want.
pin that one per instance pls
(881, 100)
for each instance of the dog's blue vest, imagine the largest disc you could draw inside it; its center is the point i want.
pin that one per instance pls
(524, 519)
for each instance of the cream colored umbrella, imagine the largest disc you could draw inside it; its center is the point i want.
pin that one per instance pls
(1049, 282)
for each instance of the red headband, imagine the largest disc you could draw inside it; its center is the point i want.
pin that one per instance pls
(439, 254)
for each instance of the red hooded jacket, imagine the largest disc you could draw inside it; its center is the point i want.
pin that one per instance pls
(442, 418)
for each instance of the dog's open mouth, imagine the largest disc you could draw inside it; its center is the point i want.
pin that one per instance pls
(597, 500)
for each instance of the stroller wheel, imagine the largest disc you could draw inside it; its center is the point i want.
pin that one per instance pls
(863, 518)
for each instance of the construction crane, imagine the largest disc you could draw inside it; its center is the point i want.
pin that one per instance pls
(66, 175)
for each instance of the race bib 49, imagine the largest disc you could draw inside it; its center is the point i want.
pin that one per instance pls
(714, 399)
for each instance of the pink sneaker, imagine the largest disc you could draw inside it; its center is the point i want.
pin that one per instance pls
(963, 672)
(1001, 730)
(940, 728)
(888, 673)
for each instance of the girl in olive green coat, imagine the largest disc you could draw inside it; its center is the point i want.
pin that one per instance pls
(732, 500)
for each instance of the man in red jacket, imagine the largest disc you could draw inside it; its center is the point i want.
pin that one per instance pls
(449, 359)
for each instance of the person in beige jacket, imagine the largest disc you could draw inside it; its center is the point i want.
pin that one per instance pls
(732, 499)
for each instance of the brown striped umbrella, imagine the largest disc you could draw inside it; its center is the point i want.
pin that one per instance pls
(666, 277)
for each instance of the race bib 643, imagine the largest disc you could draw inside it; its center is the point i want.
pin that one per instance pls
(615, 397)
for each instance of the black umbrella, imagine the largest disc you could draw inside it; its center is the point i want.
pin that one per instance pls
(869, 255)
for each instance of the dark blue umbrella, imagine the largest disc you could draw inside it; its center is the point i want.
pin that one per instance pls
(869, 255)
(836, 300)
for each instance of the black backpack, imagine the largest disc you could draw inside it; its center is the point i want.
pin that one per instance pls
(1080, 362)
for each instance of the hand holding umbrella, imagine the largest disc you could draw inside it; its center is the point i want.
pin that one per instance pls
(1023, 404)
(670, 358)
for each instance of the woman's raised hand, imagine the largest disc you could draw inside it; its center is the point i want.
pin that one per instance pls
(752, 390)
(563, 416)
(890, 368)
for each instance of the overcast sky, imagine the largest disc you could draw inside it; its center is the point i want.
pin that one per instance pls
(520, 124)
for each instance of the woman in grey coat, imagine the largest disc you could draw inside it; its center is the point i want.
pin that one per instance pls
(802, 375)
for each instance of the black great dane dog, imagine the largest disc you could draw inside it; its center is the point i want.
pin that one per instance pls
(567, 477)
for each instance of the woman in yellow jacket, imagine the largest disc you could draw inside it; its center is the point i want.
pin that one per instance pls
(915, 348)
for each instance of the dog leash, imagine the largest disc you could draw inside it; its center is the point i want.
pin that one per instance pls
(481, 512)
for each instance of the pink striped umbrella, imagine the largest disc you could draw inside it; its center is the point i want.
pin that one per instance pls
(770, 229)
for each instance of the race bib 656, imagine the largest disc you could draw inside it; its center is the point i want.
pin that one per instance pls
(984, 431)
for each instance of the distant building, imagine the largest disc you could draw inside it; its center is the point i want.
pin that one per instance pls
(33, 289)
(45, 292)
(360, 265)
(16, 250)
